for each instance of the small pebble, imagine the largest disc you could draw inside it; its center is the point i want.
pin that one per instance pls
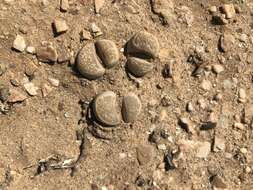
(155, 136)
(217, 68)
(165, 9)
(237, 118)
(54, 82)
(168, 160)
(131, 107)
(189, 107)
(167, 71)
(46, 89)
(85, 35)
(163, 115)
(248, 169)
(219, 144)
(228, 155)
(138, 67)
(161, 147)
(19, 43)
(202, 103)
(16, 96)
(228, 84)
(208, 125)
(238, 125)
(144, 154)
(219, 19)
(30, 69)
(213, 9)
(107, 52)
(243, 150)
(226, 42)
(31, 89)
(206, 85)
(88, 63)
(30, 49)
(186, 15)
(46, 54)
(98, 5)
(106, 109)
(4, 93)
(64, 6)
(60, 26)
(186, 124)
(14, 82)
(122, 155)
(237, 9)
(96, 31)
(212, 117)
(229, 10)
(143, 43)
(203, 150)
(66, 115)
(218, 97)
(243, 37)
(94, 187)
(242, 95)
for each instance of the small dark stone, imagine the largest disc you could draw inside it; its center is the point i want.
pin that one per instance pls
(208, 125)
(168, 159)
(243, 177)
(198, 71)
(195, 59)
(157, 134)
(14, 82)
(218, 20)
(164, 134)
(165, 102)
(94, 187)
(154, 137)
(167, 71)
(140, 181)
(159, 86)
(4, 93)
(182, 124)
(130, 187)
(186, 124)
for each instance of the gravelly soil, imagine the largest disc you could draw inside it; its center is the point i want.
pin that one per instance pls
(46, 141)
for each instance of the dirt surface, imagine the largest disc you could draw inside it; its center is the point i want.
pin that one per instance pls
(194, 130)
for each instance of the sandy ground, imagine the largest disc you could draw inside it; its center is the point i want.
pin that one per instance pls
(194, 130)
